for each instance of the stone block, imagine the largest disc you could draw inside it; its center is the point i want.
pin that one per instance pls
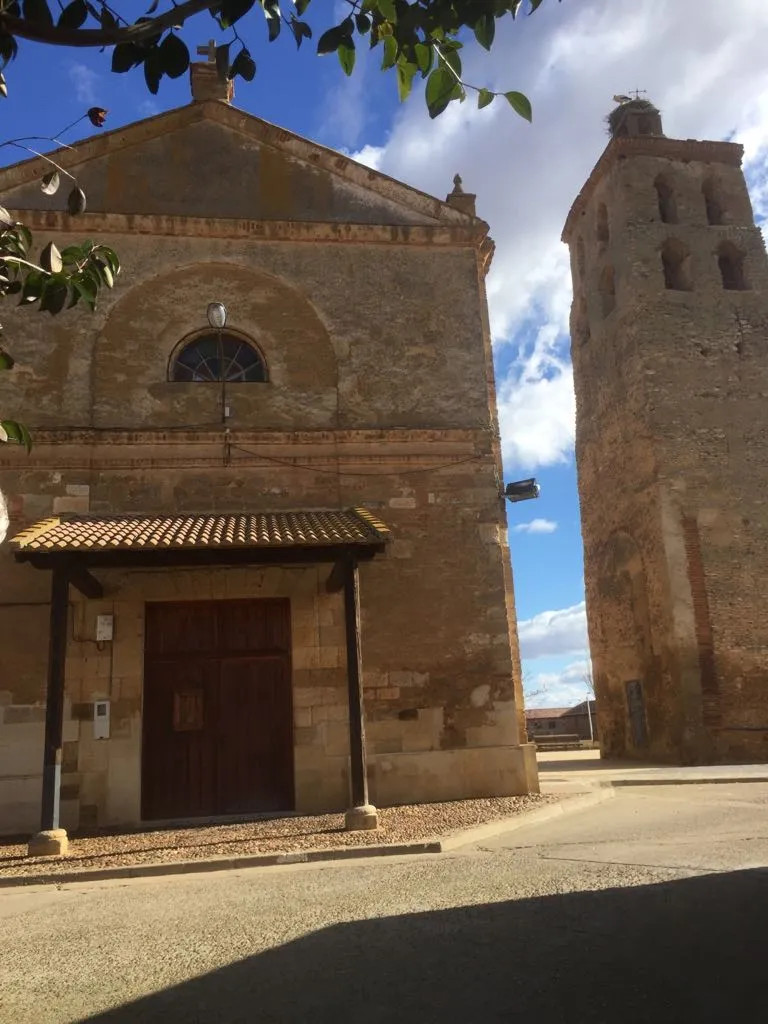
(330, 713)
(51, 843)
(302, 717)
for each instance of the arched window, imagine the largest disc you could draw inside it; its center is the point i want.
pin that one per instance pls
(581, 258)
(665, 195)
(730, 260)
(676, 262)
(713, 202)
(206, 358)
(602, 230)
(608, 290)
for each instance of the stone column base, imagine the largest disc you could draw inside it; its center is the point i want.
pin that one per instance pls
(359, 819)
(52, 843)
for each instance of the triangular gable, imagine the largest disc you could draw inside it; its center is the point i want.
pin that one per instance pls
(210, 160)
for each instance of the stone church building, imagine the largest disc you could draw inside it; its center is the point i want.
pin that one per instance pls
(256, 564)
(669, 332)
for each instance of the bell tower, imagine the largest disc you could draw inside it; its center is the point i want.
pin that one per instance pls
(669, 340)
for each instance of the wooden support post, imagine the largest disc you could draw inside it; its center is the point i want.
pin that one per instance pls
(52, 840)
(361, 814)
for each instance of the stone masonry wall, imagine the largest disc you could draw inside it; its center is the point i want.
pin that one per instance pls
(670, 385)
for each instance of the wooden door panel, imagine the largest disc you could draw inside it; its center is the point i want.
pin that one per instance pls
(255, 750)
(183, 628)
(178, 773)
(254, 626)
(218, 718)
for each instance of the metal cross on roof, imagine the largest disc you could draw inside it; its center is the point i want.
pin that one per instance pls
(637, 93)
(208, 51)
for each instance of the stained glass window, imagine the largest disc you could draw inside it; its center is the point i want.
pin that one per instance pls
(205, 359)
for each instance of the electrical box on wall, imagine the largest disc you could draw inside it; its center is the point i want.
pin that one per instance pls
(104, 628)
(101, 719)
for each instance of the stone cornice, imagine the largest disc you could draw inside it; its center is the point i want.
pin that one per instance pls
(71, 448)
(253, 129)
(471, 235)
(622, 148)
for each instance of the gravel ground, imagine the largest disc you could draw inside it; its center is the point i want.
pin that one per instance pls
(406, 824)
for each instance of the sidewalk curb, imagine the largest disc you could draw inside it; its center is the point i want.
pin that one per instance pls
(184, 867)
(570, 805)
(740, 780)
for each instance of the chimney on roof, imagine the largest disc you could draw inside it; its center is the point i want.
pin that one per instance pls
(461, 200)
(204, 78)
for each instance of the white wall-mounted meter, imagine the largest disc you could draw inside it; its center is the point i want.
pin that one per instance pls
(104, 628)
(101, 719)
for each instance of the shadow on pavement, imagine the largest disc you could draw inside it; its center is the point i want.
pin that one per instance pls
(692, 950)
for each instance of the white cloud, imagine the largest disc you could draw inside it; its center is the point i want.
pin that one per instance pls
(559, 689)
(702, 62)
(554, 633)
(84, 82)
(536, 526)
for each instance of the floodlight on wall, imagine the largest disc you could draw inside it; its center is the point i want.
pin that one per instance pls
(217, 315)
(522, 490)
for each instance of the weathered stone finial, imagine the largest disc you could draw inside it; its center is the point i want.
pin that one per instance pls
(204, 78)
(459, 199)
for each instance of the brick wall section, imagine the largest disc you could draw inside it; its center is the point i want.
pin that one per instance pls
(375, 333)
(671, 451)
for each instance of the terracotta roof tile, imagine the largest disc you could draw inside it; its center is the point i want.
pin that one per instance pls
(310, 528)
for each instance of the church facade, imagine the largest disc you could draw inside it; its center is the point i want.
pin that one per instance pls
(669, 335)
(257, 562)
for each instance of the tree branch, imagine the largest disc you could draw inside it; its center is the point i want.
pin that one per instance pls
(37, 32)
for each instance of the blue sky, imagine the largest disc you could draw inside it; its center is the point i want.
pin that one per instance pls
(701, 61)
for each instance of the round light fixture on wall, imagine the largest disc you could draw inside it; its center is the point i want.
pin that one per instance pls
(217, 315)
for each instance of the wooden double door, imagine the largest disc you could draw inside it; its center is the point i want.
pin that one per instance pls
(217, 718)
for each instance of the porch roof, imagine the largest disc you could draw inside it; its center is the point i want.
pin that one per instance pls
(316, 534)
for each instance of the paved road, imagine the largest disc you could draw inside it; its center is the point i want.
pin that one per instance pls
(650, 907)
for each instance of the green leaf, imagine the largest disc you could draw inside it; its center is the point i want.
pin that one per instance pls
(484, 98)
(301, 31)
(73, 15)
(6, 220)
(174, 56)
(126, 56)
(272, 14)
(3, 86)
(76, 202)
(85, 290)
(8, 49)
(388, 10)
(32, 288)
(222, 61)
(423, 57)
(37, 11)
(439, 92)
(16, 433)
(363, 23)
(390, 53)
(50, 259)
(49, 183)
(6, 360)
(301, 6)
(405, 74)
(453, 60)
(55, 295)
(233, 10)
(330, 41)
(346, 54)
(243, 65)
(520, 104)
(485, 30)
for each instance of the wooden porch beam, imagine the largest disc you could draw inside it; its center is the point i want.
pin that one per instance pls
(51, 840)
(361, 814)
(85, 582)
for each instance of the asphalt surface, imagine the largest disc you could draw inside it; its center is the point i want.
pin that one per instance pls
(650, 907)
